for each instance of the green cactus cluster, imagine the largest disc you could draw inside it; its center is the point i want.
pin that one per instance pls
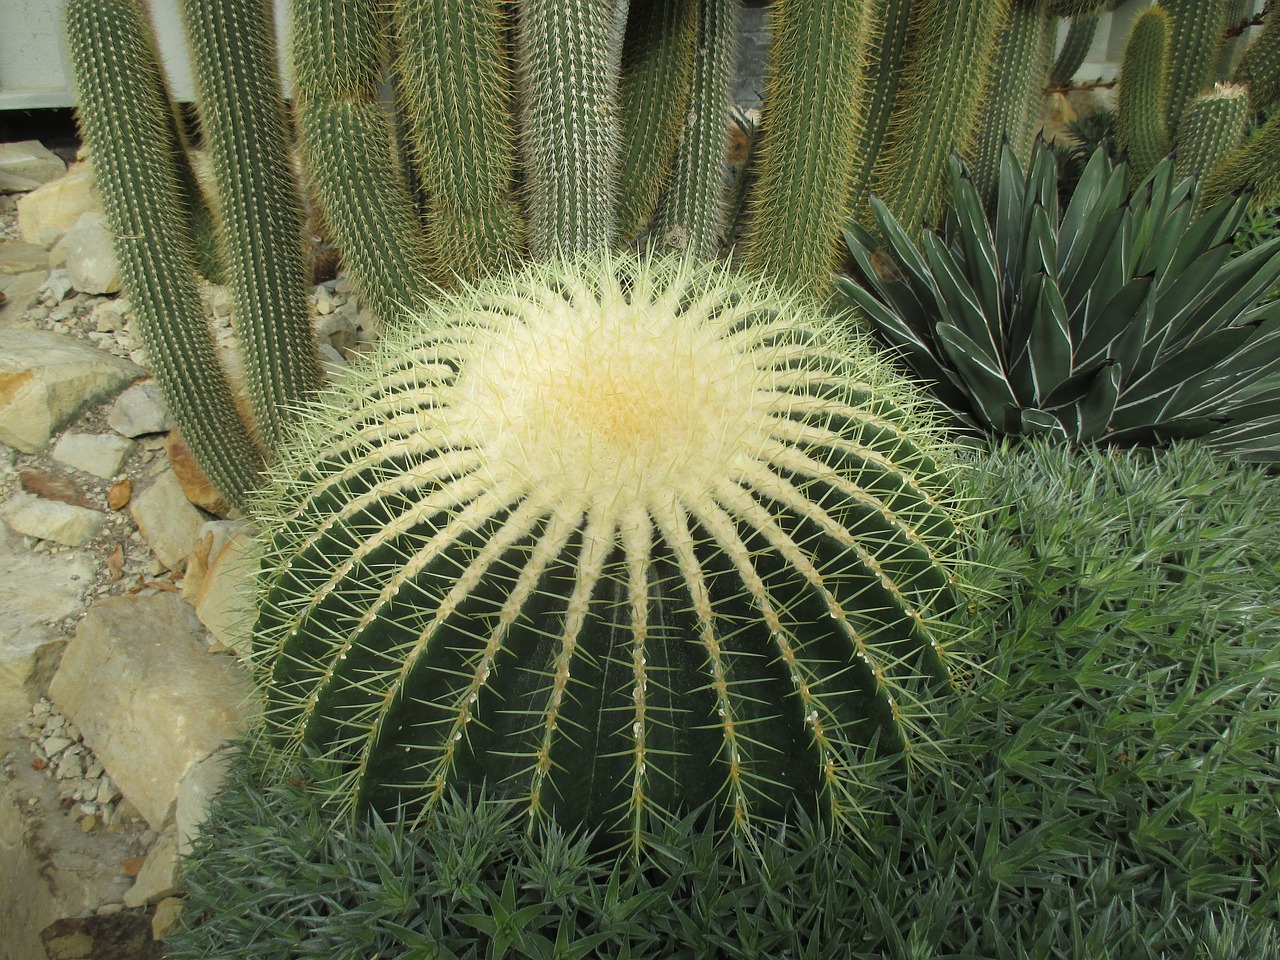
(618, 538)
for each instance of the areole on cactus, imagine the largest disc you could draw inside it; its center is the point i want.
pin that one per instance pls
(617, 537)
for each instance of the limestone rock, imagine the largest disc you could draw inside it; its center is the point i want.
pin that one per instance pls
(225, 592)
(158, 878)
(64, 523)
(20, 291)
(165, 917)
(194, 483)
(195, 797)
(46, 379)
(87, 252)
(48, 212)
(23, 257)
(26, 165)
(35, 591)
(147, 697)
(140, 410)
(167, 519)
(101, 454)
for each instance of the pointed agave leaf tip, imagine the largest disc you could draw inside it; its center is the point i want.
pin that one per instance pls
(618, 537)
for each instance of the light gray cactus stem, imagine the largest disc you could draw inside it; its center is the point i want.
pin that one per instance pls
(570, 54)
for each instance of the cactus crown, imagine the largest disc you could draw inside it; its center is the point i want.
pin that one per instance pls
(618, 537)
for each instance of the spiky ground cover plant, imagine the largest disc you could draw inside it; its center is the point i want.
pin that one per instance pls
(1108, 792)
(1119, 319)
(620, 538)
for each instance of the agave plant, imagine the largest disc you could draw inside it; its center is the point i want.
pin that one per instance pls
(1119, 319)
(620, 538)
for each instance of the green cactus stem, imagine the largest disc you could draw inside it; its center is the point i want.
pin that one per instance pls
(657, 71)
(126, 119)
(1259, 68)
(617, 538)
(569, 54)
(810, 129)
(1254, 164)
(353, 164)
(950, 51)
(1144, 81)
(1075, 48)
(1013, 102)
(456, 68)
(1212, 127)
(691, 213)
(1195, 39)
(882, 72)
(260, 215)
(1077, 8)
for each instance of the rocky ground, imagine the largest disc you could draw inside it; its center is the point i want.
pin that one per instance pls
(122, 586)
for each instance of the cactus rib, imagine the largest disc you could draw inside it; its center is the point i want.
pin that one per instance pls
(1144, 83)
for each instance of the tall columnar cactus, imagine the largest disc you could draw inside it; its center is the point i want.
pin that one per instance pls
(658, 52)
(1212, 127)
(691, 214)
(1014, 98)
(456, 70)
(570, 53)
(1196, 35)
(617, 537)
(1255, 163)
(810, 119)
(886, 45)
(950, 49)
(1259, 68)
(243, 117)
(127, 121)
(1075, 47)
(1144, 82)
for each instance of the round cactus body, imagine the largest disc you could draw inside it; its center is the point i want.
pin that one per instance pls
(616, 538)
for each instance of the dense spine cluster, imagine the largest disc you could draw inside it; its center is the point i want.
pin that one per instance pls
(1144, 83)
(618, 538)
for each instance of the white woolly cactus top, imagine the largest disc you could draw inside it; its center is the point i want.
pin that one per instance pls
(618, 535)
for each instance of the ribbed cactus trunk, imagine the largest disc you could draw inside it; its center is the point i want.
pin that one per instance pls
(1255, 163)
(127, 121)
(456, 70)
(658, 53)
(1212, 127)
(242, 114)
(1013, 101)
(1144, 83)
(1195, 38)
(569, 54)
(888, 21)
(811, 122)
(616, 538)
(1259, 68)
(1075, 47)
(351, 158)
(691, 213)
(949, 54)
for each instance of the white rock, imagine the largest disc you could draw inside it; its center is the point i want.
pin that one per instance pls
(52, 520)
(111, 316)
(26, 165)
(101, 454)
(89, 255)
(56, 287)
(149, 699)
(169, 522)
(140, 410)
(35, 590)
(46, 379)
(158, 877)
(196, 793)
(48, 212)
(54, 746)
(225, 594)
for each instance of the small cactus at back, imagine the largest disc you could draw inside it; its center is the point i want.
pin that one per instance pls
(617, 538)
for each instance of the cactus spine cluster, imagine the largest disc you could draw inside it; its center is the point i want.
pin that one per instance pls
(1212, 125)
(1075, 47)
(618, 537)
(1195, 38)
